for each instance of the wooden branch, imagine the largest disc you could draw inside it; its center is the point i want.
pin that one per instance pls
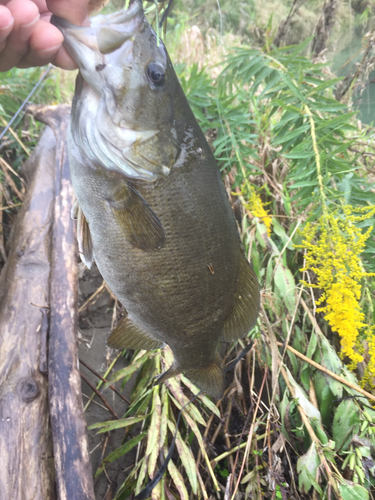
(72, 460)
(26, 456)
(104, 380)
(100, 396)
(328, 372)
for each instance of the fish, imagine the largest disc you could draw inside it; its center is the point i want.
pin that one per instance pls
(152, 210)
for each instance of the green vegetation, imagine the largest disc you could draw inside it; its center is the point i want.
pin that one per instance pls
(301, 166)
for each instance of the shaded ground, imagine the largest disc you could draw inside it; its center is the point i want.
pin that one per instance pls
(94, 328)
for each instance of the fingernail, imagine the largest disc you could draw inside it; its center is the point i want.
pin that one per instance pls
(4, 28)
(25, 28)
(48, 52)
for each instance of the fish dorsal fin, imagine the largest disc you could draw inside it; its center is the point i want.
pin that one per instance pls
(139, 222)
(127, 335)
(83, 236)
(246, 305)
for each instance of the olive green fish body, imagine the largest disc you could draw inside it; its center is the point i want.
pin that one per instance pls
(153, 211)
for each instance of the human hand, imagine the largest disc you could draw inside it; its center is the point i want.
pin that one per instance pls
(28, 39)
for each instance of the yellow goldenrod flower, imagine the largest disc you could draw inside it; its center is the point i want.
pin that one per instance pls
(255, 205)
(333, 253)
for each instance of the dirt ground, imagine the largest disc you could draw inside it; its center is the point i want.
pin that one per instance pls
(94, 328)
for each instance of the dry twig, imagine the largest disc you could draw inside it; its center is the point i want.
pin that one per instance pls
(106, 404)
(331, 374)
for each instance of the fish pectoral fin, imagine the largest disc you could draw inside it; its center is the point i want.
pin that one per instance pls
(139, 222)
(84, 237)
(74, 211)
(127, 335)
(209, 378)
(244, 313)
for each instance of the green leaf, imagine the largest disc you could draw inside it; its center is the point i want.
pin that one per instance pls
(164, 415)
(293, 361)
(154, 428)
(181, 401)
(336, 122)
(302, 399)
(297, 50)
(292, 87)
(177, 478)
(291, 135)
(284, 411)
(192, 424)
(300, 154)
(280, 231)
(286, 286)
(330, 360)
(205, 399)
(128, 370)
(307, 466)
(324, 395)
(142, 474)
(352, 491)
(346, 423)
(153, 442)
(119, 452)
(187, 458)
(116, 424)
(269, 274)
(297, 185)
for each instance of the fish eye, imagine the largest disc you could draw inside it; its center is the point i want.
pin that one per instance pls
(156, 74)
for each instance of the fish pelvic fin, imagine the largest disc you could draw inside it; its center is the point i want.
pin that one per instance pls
(139, 222)
(127, 335)
(209, 378)
(244, 313)
(83, 236)
(172, 372)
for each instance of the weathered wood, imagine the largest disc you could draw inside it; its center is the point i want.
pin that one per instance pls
(72, 460)
(26, 458)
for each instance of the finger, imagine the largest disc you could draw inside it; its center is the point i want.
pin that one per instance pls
(6, 25)
(74, 11)
(38, 55)
(26, 15)
(63, 60)
(44, 43)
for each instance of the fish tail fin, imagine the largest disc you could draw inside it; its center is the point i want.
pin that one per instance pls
(244, 313)
(209, 378)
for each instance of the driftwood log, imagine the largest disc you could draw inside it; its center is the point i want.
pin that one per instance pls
(41, 272)
(26, 459)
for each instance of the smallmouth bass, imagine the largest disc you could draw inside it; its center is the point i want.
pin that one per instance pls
(151, 206)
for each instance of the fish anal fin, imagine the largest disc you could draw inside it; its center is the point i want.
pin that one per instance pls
(244, 313)
(84, 238)
(127, 335)
(209, 378)
(139, 222)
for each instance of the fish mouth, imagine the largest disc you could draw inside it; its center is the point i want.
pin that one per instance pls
(105, 35)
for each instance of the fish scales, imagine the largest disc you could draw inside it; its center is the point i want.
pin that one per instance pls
(152, 208)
